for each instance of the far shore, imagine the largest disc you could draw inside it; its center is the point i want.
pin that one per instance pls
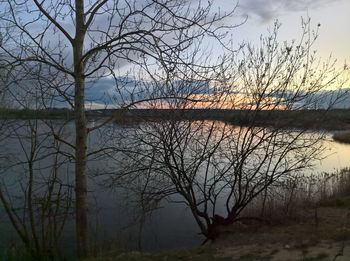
(331, 120)
(342, 136)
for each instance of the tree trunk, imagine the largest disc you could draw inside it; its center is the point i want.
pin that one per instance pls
(81, 135)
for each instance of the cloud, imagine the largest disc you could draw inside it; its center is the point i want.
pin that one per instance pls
(112, 93)
(267, 10)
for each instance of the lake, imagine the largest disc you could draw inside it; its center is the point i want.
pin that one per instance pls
(115, 215)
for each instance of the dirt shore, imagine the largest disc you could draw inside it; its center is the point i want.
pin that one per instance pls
(316, 235)
(325, 236)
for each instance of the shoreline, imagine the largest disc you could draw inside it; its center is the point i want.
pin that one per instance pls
(336, 121)
(332, 120)
(326, 238)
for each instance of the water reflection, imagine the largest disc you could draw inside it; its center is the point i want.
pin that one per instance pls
(115, 213)
(336, 156)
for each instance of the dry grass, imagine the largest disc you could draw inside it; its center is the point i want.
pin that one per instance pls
(309, 220)
(289, 199)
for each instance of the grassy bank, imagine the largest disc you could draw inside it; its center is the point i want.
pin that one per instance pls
(197, 254)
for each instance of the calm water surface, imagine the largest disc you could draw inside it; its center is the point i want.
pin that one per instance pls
(114, 214)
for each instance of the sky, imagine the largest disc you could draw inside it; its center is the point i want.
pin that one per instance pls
(332, 15)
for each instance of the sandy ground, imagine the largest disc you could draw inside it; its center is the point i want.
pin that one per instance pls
(326, 237)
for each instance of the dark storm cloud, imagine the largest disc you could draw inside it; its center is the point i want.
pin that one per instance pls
(110, 91)
(266, 10)
(113, 92)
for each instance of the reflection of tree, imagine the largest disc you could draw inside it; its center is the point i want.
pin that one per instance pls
(37, 196)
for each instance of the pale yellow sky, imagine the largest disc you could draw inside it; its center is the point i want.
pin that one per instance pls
(333, 15)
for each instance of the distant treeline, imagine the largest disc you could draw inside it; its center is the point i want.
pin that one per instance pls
(53, 113)
(336, 119)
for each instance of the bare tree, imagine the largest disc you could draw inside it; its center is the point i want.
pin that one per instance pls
(2, 80)
(39, 201)
(74, 43)
(217, 168)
